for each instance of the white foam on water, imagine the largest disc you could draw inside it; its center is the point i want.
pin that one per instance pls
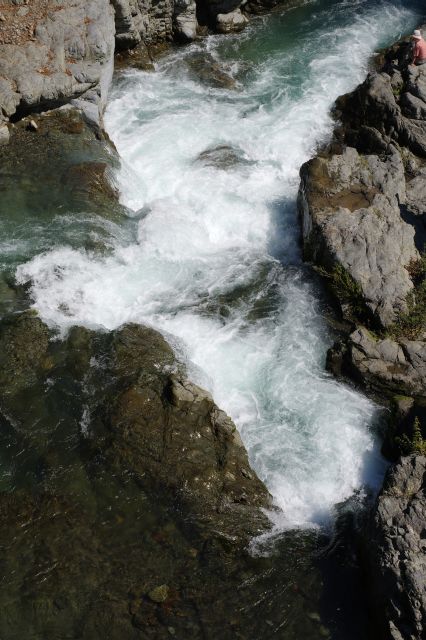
(204, 267)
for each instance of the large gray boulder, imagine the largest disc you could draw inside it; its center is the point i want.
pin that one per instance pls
(396, 552)
(350, 207)
(65, 55)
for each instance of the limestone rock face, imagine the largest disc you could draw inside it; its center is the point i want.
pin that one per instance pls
(67, 55)
(350, 206)
(396, 550)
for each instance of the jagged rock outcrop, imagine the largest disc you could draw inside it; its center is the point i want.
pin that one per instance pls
(390, 105)
(363, 206)
(386, 366)
(395, 548)
(64, 55)
(351, 217)
(147, 21)
(362, 203)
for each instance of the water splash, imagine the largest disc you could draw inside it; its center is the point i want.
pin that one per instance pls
(216, 262)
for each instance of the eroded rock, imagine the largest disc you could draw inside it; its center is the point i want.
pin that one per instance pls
(231, 22)
(387, 366)
(68, 58)
(396, 551)
(222, 157)
(350, 206)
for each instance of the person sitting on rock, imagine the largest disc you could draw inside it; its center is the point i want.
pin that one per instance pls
(419, 52)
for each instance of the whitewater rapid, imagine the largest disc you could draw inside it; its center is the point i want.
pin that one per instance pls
(215, 263)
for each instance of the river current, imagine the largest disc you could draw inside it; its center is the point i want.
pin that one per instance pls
(214, 257)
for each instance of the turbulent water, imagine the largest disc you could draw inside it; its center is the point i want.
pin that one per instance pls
(215, 261)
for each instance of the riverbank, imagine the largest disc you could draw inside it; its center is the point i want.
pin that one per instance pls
(363, 205)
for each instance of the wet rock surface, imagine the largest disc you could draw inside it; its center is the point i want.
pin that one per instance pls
(222, 157)
(58, 178)
(396, 552)
(204, 68)
(133, 502)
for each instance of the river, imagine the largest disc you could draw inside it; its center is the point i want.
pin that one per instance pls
(215, 261)
(210, 255)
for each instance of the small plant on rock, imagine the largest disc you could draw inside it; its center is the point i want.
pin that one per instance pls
(417, 444)
(413, 322)
(345, 288)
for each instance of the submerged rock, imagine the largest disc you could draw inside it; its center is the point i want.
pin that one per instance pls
(24, 342)
(204, 67)
(58, 181)
(222, 157)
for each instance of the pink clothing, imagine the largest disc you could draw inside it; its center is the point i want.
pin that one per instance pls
(419, 51)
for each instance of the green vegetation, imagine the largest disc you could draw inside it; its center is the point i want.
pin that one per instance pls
(417, 444)
(412, 323)
(345, 288)
(397, 90)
